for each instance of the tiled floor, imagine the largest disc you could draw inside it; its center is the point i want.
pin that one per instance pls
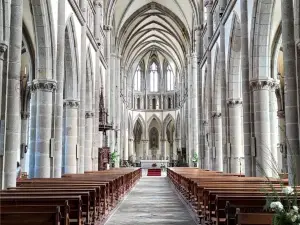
(152, 201)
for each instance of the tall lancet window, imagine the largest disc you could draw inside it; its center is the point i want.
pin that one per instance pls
(170, 79)
(153, 78)
(137, 79)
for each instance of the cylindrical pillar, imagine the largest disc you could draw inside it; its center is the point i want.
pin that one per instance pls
(274, 128)
(282, 143)
(24, 136)
(88, 163)
(207, 165)
(246, 87)
(32, 133)
(218, 161)
(145, 149)
(261, 98)
(13, 118)
(71, 135)
(224, 109)
(43, 89)
(60, 74)
(98, 19)
(235, 131)
(83, 74)
(291, 101)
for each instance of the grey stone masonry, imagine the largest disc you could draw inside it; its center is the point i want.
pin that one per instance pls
(13, 118)
(291, 95)
(261, 98)
(88, 164)
(218, 154)
(71, 135)
(44, 91)
(246, 87)
(235, 130)
(60, 70)
(83, 74)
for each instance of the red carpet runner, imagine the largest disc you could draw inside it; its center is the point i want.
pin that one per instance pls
(154, 172)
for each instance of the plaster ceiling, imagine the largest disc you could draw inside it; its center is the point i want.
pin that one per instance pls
(143, 26)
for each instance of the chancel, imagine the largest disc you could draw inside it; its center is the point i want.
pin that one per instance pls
(111, 111)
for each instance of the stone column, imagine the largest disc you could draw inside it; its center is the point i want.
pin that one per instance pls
(224, 109)
(43, 89)
(82, 107)
(145, 148)
(71, 135)
(208, 4)
(126, 150)
(261, 99)
(194, 102)
(163, 148)
(246, 87)
(274, 127)
(60, 74)
(189, 119)
(13, 118)
(3, 49)
(32, 133)
(130, 147)
(282, 145)
(291, 101)
(235, 130)
(98, 19)
(112, 105)
(88, 163)
(24, 139)
(207, 165)
(218, 161)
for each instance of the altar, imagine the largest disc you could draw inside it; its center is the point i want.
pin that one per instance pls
(146, 164)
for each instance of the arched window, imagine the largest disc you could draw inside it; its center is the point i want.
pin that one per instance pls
(170, 79)
(153, 78)
(137, 79)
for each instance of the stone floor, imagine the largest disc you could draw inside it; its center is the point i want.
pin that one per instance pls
(152, 201)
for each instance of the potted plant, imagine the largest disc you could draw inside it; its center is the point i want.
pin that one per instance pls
(195, 159)
(113, 158)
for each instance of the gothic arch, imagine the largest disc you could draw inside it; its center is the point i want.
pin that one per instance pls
(260, 47)
(150, 122)
(169, 118)
(44, 33)
(234, 89)
(89, 81)
(71, 78)
(140, 119)
(138, 130)
(217, 83)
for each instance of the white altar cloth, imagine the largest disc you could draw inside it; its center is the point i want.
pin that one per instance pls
(145, 164)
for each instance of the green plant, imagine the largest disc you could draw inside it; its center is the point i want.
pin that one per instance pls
(283, 203)
(195, 158)
(114, 156)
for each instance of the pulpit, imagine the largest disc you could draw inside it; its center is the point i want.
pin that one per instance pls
(103, 158)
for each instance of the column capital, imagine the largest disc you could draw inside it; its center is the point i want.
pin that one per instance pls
(234, 102)
(163, 139)
(44, 85)
(71, 103)
(208, 3)
(261, 84)
(281, 114)
(107, 27)
(25, 115)
(275, 84)
(3, 48)
(89, 114)
(145, 141)
(216, 114)
(97, 3)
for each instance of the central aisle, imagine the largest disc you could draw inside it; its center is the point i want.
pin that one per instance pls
(152, 201)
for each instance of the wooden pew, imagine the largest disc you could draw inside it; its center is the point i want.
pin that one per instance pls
(254, 218)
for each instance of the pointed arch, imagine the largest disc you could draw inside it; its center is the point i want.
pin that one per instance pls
(217, 83)
(89, 80)
(142, 122)
(44, 33)
(71, 76)
(154, 117)
(234, 60)
(169, 119)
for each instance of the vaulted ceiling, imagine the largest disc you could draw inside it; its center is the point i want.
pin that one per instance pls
(144, 26)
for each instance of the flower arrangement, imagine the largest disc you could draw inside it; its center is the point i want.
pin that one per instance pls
(285, 207)
(154, 165)
(195, 158)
